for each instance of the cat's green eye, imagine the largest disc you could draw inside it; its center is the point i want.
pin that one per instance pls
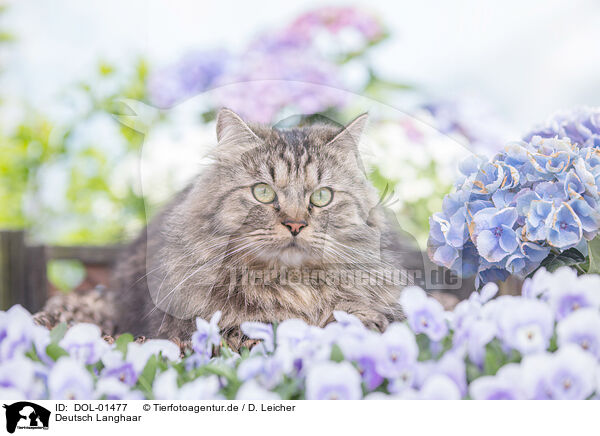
(321, 197)
(263, 193)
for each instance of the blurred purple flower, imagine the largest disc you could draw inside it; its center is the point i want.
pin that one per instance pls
(505, 385)
(424, 314)
(128, 369)
(113, 389)
(206, 336)
(400, 353)
(333, 381)
(473, 119)
(581, 125)
(525, 325)
(69, 380)
(261, 331)
(268, 370)
(17, 378)
(166, 387)
(335, 19)
(202, 388)
(115, 366)
(84, 342)
(193, 74)
(366, 353)
(439, 387)
(568, 374)
(252, 391)
(581, 328)
(566, 292)
(16, 332)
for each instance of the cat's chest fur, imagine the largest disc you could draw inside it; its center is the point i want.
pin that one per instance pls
(269, 295)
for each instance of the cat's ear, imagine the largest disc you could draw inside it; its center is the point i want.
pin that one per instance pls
(233, 134)
(350, 136)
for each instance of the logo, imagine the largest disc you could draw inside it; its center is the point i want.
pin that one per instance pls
(26, 415)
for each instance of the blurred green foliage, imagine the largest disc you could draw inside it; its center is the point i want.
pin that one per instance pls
(413, 216)
(94, 210)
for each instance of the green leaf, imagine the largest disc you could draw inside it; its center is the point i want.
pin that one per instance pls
(594, 255)
(424, 344)
(148, 373)
(55, 352)
(570, 257)
(494, 358)
(473, 372)
(289, 389)
(58, 332)
(336, 353)
(122, 341)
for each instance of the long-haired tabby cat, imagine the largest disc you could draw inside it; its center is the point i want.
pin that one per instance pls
(274, 202)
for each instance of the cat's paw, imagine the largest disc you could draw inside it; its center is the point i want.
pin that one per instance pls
(375, 321)
(371, 319)
(249, 343)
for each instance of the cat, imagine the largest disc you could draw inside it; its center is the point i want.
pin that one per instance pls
(274, 201)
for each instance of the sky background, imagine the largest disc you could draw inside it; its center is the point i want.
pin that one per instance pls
(526, 59)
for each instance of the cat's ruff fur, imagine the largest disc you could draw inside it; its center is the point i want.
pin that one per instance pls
(181, 266)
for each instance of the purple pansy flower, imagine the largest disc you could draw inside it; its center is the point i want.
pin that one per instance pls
(16, 332)
(425, 315)
(261, 331)
(206, 336)
(525, 325)
(366, 352)
(568, 374)
(566, 292)
(582, 328)
(69, 380)
(333, 381)
(505, 385)
(84, 342)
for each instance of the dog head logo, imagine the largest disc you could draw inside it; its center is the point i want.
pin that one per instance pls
(26, 415)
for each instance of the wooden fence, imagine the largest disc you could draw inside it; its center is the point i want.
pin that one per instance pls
(23, 277)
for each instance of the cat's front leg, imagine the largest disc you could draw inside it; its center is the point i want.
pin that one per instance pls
(371, 318)
(236, 340)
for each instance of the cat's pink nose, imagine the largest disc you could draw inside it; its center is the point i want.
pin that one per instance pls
(295, 226)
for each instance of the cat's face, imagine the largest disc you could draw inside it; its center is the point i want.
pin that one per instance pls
(292, 197)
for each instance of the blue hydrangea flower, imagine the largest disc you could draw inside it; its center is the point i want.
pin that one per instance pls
(545, 190)
(565, 228)
(493, 233)
(581, 125)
